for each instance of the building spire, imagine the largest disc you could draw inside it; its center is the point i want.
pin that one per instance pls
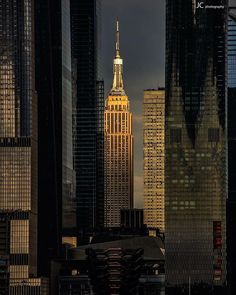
(117, 38)
(118, 85)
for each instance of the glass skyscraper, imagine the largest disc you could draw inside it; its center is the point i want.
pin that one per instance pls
(231, 202)
(57, 208)
(18, 137)
(196, 142)
(88, 108)
(18, 144)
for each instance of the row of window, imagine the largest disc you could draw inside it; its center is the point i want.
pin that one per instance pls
(176, 135)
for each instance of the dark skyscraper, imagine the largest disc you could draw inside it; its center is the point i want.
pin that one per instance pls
(195, 179)
(18, 146)
(18, 136)
(57, 217)
(88, 101)
(231, 204)
(4, 252)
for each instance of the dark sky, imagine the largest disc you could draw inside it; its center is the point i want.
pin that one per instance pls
(142, 26)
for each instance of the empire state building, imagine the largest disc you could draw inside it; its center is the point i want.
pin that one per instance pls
(118, 146)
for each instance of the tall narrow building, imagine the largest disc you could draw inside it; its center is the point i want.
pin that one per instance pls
(196, 143)
(154, 158)
(118, 147)
(18, 144)
(88, 101)
(231, 202)
(56, 176)
(18, 135)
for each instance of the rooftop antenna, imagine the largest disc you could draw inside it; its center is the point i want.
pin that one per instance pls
(117, 38)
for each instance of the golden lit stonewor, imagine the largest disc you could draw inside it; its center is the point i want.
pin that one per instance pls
(154, 158)
(118, 147)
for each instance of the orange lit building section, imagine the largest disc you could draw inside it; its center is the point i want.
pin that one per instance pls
(154, 158)
(118, 148)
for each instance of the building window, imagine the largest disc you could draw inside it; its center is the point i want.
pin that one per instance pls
(213, 135)
(175, 135)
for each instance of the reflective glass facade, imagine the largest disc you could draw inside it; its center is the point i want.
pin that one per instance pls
(232, 49)
(154, 159)
(57, 216)
(68, 174)
(88, 95)
(100, 154)
(4, 252)
(18, 135)
(196, 142)
(231, 202)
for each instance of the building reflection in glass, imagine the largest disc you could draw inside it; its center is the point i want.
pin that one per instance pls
(18, 138)
(195, 170)
(231, 202)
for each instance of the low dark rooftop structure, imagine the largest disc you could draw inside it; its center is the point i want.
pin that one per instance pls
(153, 247)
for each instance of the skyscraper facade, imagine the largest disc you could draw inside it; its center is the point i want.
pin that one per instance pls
(196, 142)
(118, 147)
(18, 137)
(4, 252)
(231, 202)
(154, 158)
(85, 17)
(100, 154)
(57, 208)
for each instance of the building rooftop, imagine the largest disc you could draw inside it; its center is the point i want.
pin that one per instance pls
(153, 247)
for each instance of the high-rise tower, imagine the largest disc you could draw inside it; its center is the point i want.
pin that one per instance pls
(57, 210)
(18, 143)
(196, 142)
(88, 109)
(18, 137)
(118, 146)
(231, 202)
(154, 159)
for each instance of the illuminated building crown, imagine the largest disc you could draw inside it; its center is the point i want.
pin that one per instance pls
(118, 84)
